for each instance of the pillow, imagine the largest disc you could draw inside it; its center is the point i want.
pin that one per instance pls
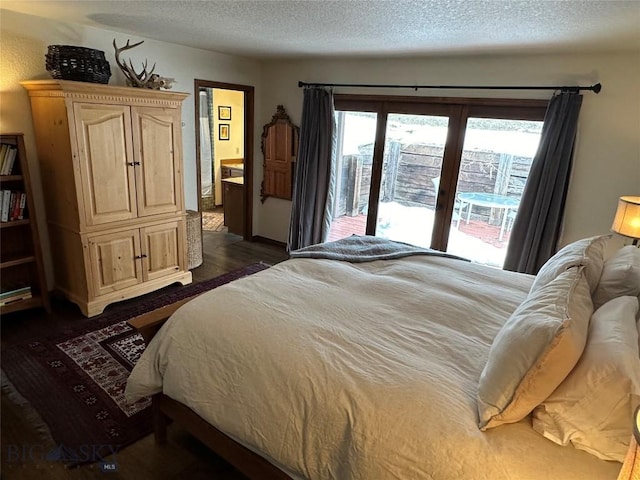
(535, 349)
(593, 407)
(588, 252)
(620, 276)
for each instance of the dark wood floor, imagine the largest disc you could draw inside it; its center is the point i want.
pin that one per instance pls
(183, 457)
(225, 252)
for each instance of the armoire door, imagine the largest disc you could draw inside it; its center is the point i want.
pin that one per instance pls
(163, 250)
(106, 162)
(155, 136)
(115, 261)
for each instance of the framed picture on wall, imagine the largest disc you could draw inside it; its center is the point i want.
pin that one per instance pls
(223, 131)
(224, 113)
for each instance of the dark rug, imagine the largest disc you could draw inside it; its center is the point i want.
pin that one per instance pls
(73, 373)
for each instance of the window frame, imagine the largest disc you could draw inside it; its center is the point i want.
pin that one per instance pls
(458, 110)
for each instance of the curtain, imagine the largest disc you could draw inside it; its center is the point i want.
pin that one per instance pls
(536, 229)
(206, 152)
(313, 173)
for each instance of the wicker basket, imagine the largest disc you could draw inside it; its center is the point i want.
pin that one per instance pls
(194, 239)
(66, 62)
(207, 203)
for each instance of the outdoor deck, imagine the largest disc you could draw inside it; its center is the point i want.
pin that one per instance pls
(484, 237)
(346, 226)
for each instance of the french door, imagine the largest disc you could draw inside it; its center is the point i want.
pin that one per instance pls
(433, 172)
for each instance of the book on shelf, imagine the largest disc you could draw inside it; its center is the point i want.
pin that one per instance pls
(15, 292)
(13, 205)
(6, 201)
(14, 212)
(22, 205)
(17, 298)
(16, 207)
(3, 153)
(15, 295)
(13, 152)
(8, 156)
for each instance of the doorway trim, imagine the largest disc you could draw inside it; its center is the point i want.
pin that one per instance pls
(248, 145)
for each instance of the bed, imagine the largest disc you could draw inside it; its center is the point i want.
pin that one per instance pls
(322, 368)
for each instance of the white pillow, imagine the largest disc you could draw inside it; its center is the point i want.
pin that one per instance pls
(593, 407)
(620, 276)
(588, 252)
(535, 349)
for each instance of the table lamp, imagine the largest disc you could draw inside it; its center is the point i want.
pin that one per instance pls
(631, 466)
(627, 219)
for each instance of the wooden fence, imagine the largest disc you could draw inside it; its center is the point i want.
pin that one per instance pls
(409, 171)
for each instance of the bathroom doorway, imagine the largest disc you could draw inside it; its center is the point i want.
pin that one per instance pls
(224, 156)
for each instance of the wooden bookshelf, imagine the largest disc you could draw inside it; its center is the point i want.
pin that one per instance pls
(21, 263)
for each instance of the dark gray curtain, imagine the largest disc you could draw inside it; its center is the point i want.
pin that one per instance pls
(313, 169)
(536, 229)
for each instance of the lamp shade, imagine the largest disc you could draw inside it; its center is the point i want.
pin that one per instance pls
(627, 219)
(631, 466)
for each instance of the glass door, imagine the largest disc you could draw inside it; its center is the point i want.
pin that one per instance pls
(440, 173)
(356, 133)
(411, 172)
(496, 160)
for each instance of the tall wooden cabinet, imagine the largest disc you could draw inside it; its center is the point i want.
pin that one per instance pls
(111, 165)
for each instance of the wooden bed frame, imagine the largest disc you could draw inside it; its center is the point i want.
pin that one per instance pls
(166, 409)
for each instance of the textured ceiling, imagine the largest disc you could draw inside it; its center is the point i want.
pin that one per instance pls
(288, 28)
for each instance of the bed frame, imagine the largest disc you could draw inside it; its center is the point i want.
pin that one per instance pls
(165, 409)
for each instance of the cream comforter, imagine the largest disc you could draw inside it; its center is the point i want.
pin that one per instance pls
(333, 370)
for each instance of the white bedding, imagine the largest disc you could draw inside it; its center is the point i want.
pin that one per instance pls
(333, 370)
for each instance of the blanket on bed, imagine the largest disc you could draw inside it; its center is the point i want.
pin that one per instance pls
(356, 371)
(358, 249)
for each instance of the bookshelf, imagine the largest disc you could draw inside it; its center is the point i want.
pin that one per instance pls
(22, 280)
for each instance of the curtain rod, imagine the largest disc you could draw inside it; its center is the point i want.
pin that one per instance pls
(593, 88)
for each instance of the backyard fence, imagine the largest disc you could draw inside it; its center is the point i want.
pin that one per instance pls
(409, 172)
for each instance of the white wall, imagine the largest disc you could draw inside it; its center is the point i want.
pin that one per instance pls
(234, 147)
(23, 44)
(607, 157)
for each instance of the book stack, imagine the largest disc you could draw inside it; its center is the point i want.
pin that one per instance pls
(8, 154)
(13, 205)
(17, 295)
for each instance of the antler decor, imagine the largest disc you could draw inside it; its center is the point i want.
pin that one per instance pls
(143, 79)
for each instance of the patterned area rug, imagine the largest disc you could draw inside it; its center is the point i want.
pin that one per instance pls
(107, 355)
(74, 374)
(213, 221)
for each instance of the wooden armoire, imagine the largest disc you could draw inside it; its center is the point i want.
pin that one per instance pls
(112, 174)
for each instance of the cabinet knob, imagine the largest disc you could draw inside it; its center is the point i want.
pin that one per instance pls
(140, 256)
